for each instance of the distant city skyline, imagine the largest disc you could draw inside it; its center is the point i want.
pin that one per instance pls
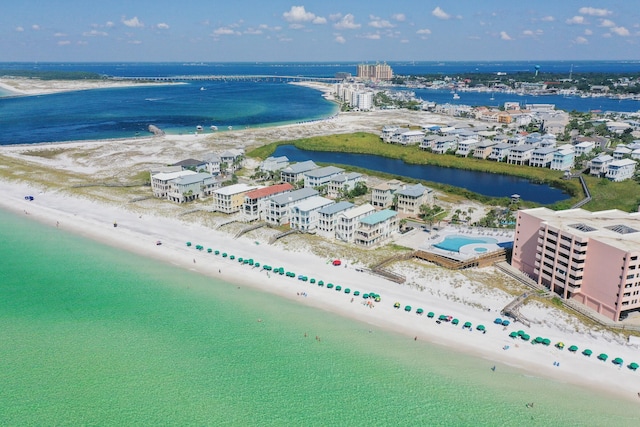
(288, 31)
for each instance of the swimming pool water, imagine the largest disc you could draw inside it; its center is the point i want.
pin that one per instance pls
(454, 243)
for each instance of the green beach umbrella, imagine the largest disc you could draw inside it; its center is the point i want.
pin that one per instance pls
(209, 250)
(538, 340)
(188, 243)
(573, 348)
(587, 352)
(467, 324)
(365, 296)
(480, 327)
(356, 293)
(633, 366)
(546, 341)
(329, 285)
(347, 290)
(395, 304)
(455, 321)
(419, 311)
(520, 333)
(338, 288)
(431, 314)
(407, 308)
(320, 283)
(513, 334)
(312, 280)
(618, 361)
(603, 356)
(525, 337)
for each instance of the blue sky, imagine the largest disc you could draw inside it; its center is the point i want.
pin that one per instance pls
(327, 30)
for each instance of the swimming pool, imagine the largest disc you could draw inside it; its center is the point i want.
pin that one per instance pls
(453, 243)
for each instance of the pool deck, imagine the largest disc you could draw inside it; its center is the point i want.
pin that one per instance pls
(470, 251)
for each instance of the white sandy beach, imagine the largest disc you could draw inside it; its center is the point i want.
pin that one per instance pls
(433, 289)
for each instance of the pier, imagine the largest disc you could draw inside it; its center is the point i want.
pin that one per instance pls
(230, 78)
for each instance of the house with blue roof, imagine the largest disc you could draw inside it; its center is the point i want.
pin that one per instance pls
(280, 206)
(321, 176)
(304, 215)
(343, 182)
(295, 172)
(375, 228)
(188, 188)
(328, 217)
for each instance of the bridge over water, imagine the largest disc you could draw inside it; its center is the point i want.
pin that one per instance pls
(215, 77)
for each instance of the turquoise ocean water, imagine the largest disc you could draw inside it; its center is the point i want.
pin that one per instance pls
(91, 335)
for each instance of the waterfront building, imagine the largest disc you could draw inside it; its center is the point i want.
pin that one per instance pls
(588, 257)
(410, 198)
(520, 155)
(374, 72)
(273, 164)
(411, 137)
(563, 158)
(483, 149)
(499, 152)
(375, 228)
(584, 147)
(466, 147)
(347, 221)
(328, 217)
(304, 214)
(621, 170)
(598, 165)
(542, 157)
(188, 188)
(280, 206)
(444, 144)
(382, 194)
(621, 152)
(295, 172)
(230, 199)
(256, 201)
(322, 176)
(161, 181)
(343, 182)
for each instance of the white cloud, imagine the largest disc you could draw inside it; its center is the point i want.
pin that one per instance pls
(253, 31)
(424, 31)
(19, 29)
(335, 16)
(295, 26)
(64, 43)
(109, 24)
(404, 41)
(133, 22)
(399, 17)
(298, 14)
(376, 22)
(505, 36)
(162, 26)
(592, 11)
(548, 18)
(440, 14)
(134, 42)
(59, 35)
(576, 20)
(347, 23)
(607, 23)
(94, 33)
(82, 42)
(340, 39)
(371, 36)
(527, 33)
(319, 20)
(621, 31)
(225, 31)
(35, 27)
(588, 32)
(580, 40)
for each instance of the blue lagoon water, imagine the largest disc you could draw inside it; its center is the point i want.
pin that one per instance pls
(488, 184)
(95, 336)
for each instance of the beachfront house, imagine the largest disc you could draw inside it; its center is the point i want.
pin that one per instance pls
(411, 137)
(444, 144)
(273, 164)
(621, 170)
(375, 228)
(295, 172)
(598, 165)
(256, 201)
(410, 198)
(161, 181)
(230, 199)
(280, 206)
(188, 188)
(483, 149)
(520, 155)
(466, 147)
(542, 157)
(382, 194)
(328, 217)
(500, 152)
(304, 214)
(343, 183)
(563, 158)
(192, 165)
(348, 220)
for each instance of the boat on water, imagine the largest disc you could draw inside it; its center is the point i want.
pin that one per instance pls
(198, 127)
(202, 88)
(456, 96)
(214, 127)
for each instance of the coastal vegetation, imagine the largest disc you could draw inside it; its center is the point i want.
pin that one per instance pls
(605, 194)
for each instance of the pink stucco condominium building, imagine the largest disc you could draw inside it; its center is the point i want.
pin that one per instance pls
(589, 257)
